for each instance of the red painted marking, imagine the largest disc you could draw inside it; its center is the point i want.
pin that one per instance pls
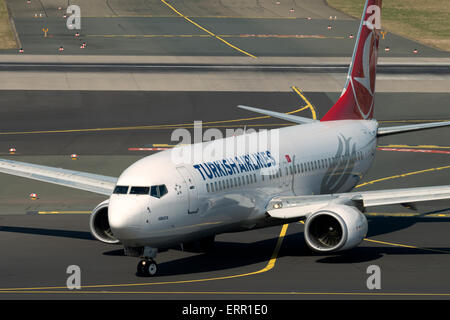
(300, 36)
(414, 150)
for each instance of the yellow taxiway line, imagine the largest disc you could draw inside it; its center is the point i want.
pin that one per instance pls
(407, 246)
(207, 31)
(247, 36)
(270, 265)
(171, 126)
(64, 212)
(402, 175)
(308, 104)
(293, 293)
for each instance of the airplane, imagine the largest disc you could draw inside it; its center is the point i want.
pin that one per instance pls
(157, 203)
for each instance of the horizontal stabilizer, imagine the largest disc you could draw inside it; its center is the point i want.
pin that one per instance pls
(411, 127)
(279, 115)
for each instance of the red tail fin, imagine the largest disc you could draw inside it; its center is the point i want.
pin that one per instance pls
(357, 99)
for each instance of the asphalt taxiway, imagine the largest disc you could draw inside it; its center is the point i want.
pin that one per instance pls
(48, 114)
(173, 29)
(51, 233)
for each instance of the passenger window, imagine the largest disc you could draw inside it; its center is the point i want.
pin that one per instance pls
(207, 187)
(121, 190)
(212, 187)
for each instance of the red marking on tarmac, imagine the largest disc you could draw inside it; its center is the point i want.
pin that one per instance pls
(301, 36)
(414, 150)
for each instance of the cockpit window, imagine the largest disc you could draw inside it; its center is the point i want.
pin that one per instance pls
(139, 190)
(162, 190)
(121, 190)
(158, 191)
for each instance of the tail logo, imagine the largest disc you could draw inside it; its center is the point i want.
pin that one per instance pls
(363, 75)
(341, 170)
(363, 85)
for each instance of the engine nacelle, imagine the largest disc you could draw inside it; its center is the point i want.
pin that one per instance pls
(99, 224)
(335, 228)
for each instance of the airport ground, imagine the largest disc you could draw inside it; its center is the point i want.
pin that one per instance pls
(52, 232)
(101, 114)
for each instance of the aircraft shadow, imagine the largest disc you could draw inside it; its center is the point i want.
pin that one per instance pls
(384, 225)
(49, 232)
(377, 226)
(230, 255)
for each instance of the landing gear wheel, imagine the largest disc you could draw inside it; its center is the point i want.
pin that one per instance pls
(151, 268)
(147, 268)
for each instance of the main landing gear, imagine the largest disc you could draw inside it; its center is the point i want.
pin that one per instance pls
(147, 267)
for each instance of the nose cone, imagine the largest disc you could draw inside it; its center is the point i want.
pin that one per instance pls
(125, 216)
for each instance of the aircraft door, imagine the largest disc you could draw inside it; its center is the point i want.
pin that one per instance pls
(286, 178)
(193, 202)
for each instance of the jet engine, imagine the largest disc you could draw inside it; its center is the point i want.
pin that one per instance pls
(335, 228)
(99, 224)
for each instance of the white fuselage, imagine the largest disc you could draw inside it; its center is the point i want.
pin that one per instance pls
(201, 197)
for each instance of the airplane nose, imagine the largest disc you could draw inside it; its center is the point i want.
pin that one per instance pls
(125, 217)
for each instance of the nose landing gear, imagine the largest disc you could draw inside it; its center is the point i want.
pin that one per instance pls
(147, 268)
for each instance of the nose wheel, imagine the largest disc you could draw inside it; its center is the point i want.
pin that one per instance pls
(147, 268)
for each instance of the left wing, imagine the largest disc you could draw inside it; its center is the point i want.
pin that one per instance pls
(69, 178)
(301, 206)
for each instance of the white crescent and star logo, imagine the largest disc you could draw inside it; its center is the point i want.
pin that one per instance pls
(364, 95)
